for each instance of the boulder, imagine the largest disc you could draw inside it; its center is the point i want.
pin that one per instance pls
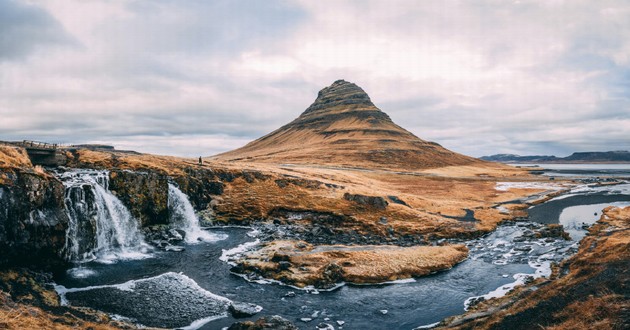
(274, 322)
(375, 202)
(242, 309)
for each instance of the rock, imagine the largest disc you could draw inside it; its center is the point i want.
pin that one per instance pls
(340, 322)
(274, 322)
(552, 230)
(519, 239)
(242, 309)
(175, 235)
(290, 294)
(528, 233)
(306, 319)
(376, 202)
(145, 194)
(525, 248)
(174, 248)
(33, 221)
(325, 326)
(383, 311)
(383, 220)
(284, 265)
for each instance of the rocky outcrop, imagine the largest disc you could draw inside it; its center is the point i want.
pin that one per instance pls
(144, 193)
(274, 322)
(375, 202)
(33, 221)
(299, 263)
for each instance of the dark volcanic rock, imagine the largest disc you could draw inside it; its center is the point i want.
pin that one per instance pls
(376, 202)
(144, 193)
(340, 93)
(33, 221)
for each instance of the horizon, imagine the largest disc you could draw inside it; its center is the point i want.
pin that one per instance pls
(196, 79)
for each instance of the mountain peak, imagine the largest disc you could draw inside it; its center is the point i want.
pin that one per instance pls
(341, 93)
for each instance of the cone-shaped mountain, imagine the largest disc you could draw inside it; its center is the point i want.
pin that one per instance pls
(344, 128)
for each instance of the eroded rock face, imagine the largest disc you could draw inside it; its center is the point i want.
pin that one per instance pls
(144, 193)
(33, 221)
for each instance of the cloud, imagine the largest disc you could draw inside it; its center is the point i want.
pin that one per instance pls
(478, 77)
(25, 29)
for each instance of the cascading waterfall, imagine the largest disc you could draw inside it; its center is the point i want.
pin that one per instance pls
(183, 217)
(100, 225)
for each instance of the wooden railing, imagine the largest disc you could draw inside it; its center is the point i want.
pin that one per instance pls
(38, 145)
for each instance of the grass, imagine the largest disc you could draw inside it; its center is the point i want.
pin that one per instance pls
(589, 291)
(13, 157)
(365, 264)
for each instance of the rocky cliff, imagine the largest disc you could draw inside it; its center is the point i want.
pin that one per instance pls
(344, 128)
(33, 222)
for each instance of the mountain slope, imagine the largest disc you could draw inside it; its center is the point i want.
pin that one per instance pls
(344, 128)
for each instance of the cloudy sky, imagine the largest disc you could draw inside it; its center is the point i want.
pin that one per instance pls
(199, 77)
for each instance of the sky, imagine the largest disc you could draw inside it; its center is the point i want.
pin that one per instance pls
(190, 78)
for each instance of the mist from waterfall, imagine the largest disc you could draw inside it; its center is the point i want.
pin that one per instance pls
(100, 225)
(183, 217)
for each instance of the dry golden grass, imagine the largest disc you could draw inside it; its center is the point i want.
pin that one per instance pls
(592, 295)
(138, 162)
(429, 198)
(12, 157)
(26, 302)
(600, 312)
(356, 264)
(23, 317)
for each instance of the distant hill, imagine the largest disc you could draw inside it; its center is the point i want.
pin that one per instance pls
(344, 128)
(621, 156)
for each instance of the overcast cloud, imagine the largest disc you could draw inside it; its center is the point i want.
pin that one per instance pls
(199, 77)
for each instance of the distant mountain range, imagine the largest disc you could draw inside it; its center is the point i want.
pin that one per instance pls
(621, 156)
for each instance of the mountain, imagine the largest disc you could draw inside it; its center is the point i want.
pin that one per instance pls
(511, 158)
(344, 128)
(621, 156)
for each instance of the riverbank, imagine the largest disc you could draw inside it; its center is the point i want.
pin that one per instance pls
(587, 291)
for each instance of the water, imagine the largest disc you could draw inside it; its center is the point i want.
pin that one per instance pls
(493, 263)
(576, 218)
(581, 170)
(100, 225)
(581, 206)
(183, 217)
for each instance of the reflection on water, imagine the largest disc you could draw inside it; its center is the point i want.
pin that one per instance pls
(574, 218)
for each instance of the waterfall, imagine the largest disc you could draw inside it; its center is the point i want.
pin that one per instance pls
(100, 225)
(183, 217)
